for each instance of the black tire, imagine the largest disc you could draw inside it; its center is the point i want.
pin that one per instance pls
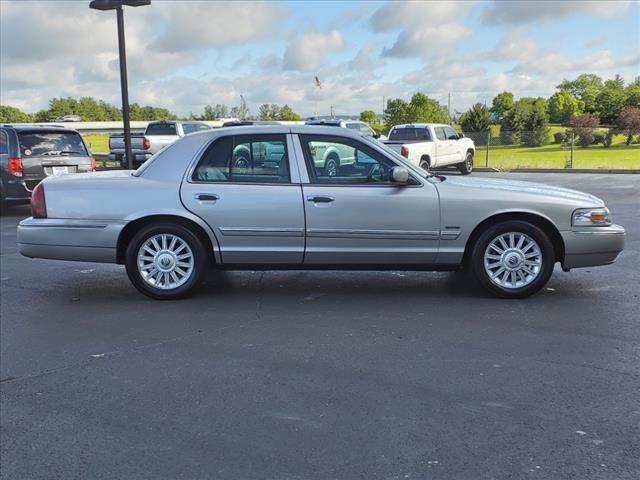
(466, 167)
(425, 164)
(331, 166)
(198, 252)
(481, 245)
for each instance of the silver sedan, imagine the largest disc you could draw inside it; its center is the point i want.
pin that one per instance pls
(255, 197)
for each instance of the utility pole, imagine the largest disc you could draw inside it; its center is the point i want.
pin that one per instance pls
(331, 111)
(449, 105)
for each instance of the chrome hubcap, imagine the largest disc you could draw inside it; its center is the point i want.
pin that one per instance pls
(165, 261)
(513, 260)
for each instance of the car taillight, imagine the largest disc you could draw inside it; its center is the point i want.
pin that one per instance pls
(146, 144)
(38, 204)
(92, 164)
(15, 167)
(404, 151)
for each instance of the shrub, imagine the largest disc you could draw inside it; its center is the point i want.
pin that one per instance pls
(598, 137)
(583, 127)
(559, 137)
(608, 138)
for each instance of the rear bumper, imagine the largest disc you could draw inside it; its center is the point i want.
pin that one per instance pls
(592, 246)
(15, 190)
(75, 240)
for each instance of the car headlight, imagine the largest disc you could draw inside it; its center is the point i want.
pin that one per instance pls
(591, 217)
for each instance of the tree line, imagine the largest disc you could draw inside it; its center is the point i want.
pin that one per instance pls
(92, 110)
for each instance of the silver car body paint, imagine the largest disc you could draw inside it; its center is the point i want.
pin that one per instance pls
(251, 224)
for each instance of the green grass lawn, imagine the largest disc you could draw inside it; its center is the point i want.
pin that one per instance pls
(618, 156)
(97, 142)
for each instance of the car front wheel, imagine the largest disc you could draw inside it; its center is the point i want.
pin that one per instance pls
(513, 259)
(165, 262)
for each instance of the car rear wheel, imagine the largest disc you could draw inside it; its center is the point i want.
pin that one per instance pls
(165, 262)
(466, 167)
(513, 259)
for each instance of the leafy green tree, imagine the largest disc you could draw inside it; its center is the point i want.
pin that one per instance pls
(586, 88)
(583, 127)
(369, 116)
(426, 110)
(477, 120)
(269, 111)
(9, 114)
(611, 100)
(633, 95)
(536, 124)
(562, 106)
(241, 112)
(512, 124)
(502, 103)
(396, 113)
(628, 122)
(288, 115)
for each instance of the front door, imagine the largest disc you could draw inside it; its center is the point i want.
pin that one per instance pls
(242, 188)
(359, 217)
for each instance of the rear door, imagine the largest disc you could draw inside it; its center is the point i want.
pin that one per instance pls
(444, 148)
(452, 137)
(51, 152)
(359, 217)
(245, 189)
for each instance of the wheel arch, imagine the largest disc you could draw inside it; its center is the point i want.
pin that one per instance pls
(206, 237)
(546, 225)
(426, 157)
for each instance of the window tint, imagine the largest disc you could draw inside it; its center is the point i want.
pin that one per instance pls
(366, 130)
(410, 133)
(51, 143)
(161, 129)
(4, 143)
(245, 158)
(450, 133)
(337, 160)
(440, 133)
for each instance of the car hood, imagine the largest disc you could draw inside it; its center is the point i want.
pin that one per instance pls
(530, 188)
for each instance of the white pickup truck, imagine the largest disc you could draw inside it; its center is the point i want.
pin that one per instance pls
(157, 136)
(432, 145)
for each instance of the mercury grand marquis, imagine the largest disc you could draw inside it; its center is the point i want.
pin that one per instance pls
(254, 198)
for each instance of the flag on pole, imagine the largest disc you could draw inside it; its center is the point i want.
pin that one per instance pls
(318, 84)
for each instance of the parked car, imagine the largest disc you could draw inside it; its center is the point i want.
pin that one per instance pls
(362, 127)
(69, 118)
(191, 207)
(157, 136)
(432, 145)
(29, 154)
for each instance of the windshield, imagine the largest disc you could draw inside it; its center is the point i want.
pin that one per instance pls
(161, 129)
(51, 143)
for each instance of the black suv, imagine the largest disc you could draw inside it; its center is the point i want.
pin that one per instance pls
(28, 154)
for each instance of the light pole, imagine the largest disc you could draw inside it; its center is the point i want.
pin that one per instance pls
(117, 6)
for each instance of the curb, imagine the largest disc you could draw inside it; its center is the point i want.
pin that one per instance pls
(573, 170)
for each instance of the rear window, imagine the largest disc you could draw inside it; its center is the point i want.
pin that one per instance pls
(51, 143)
(410, 133)
(161, 129)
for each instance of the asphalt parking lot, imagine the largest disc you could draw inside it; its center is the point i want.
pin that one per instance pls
(323, 375)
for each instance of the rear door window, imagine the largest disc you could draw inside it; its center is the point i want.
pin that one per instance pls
(161, 129)
(440, 133)
(51, 143)
(410, 134)
(4, 143)
(245, 159)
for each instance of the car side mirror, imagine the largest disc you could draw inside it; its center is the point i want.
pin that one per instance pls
(400, 175)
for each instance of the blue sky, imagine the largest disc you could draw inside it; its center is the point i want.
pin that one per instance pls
(184, 55)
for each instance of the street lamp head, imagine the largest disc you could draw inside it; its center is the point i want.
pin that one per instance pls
(114, 4)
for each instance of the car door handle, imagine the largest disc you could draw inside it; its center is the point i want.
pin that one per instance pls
(315, 199)
(207, 197)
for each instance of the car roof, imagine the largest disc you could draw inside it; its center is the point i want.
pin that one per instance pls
(318, 129)
(40, 128)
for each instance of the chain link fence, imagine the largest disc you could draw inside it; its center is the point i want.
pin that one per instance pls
(559, 148)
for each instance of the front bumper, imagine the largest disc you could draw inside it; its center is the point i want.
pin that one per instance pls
(592, 246)
(76, 240)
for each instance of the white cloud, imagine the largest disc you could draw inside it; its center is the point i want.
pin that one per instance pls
(528, 11)
(423, 26)
(308, 52)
